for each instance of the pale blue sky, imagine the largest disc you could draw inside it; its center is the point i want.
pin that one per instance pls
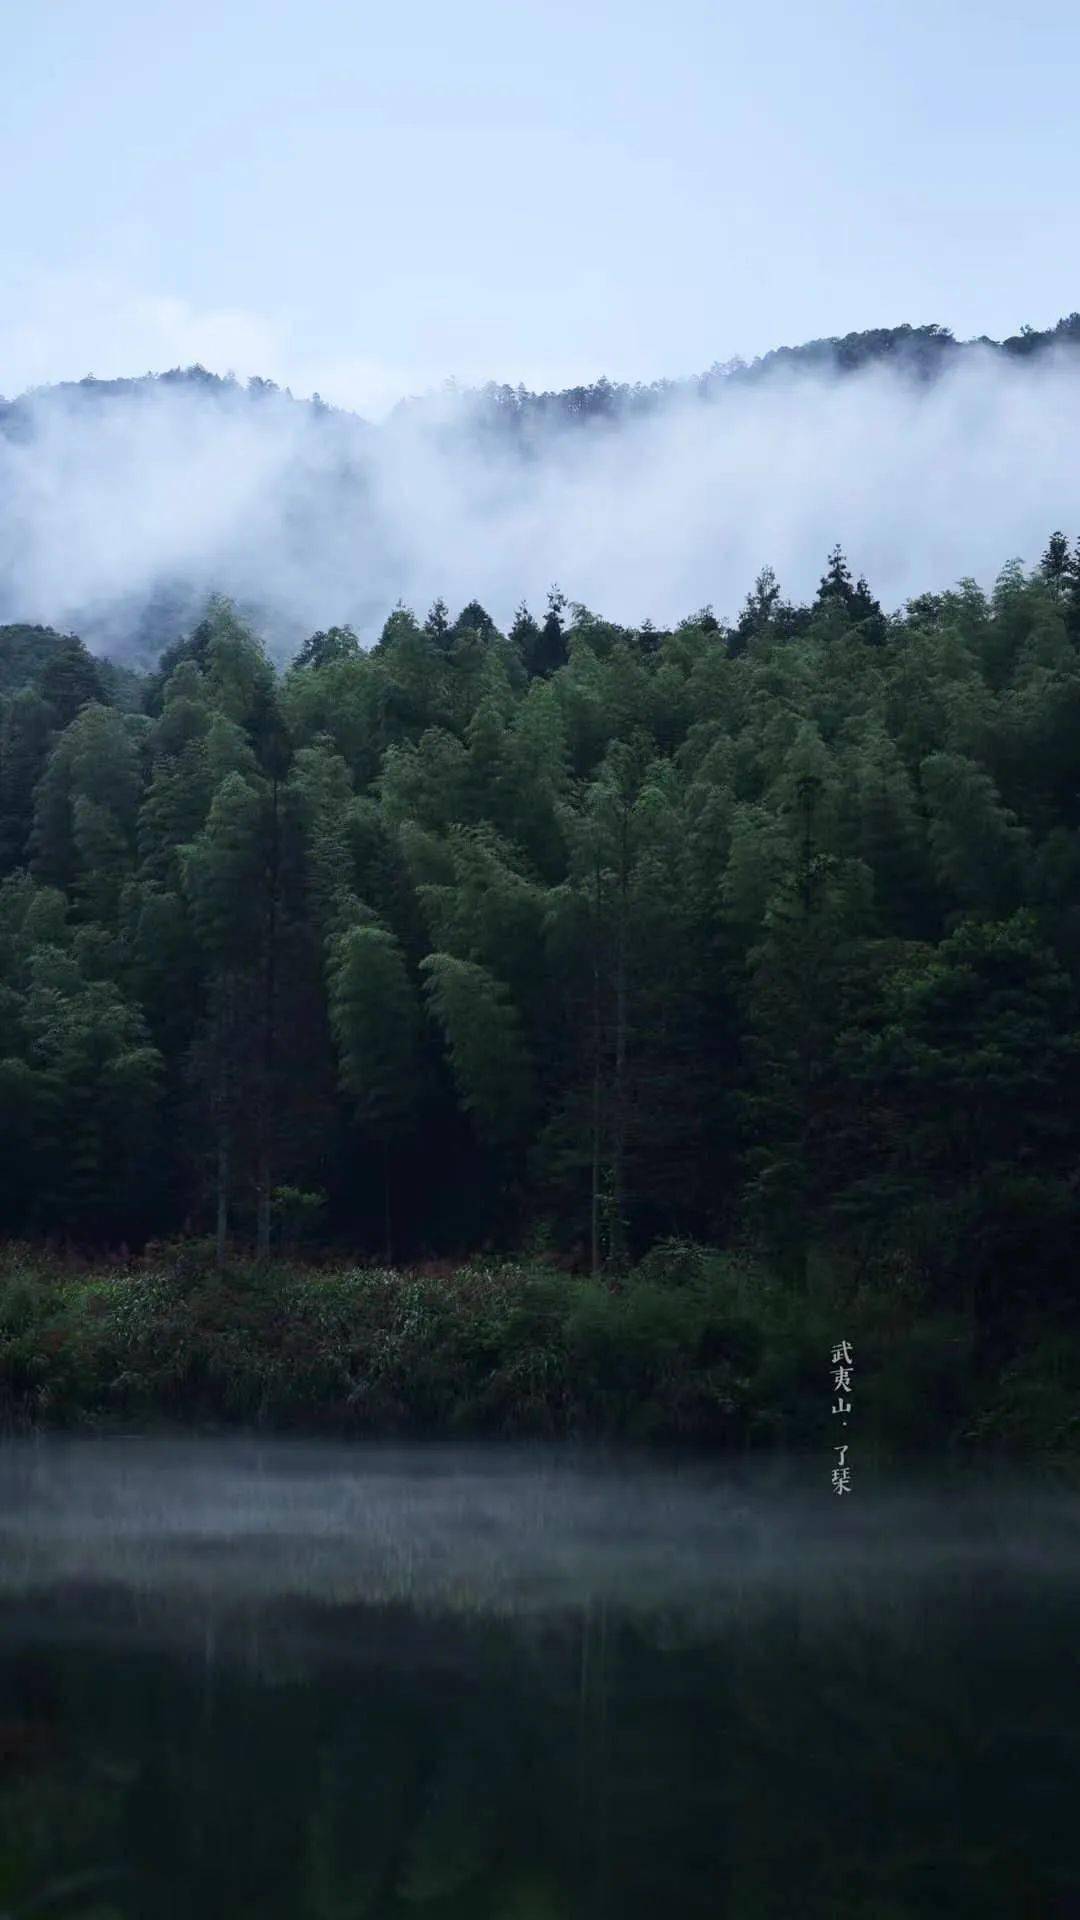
(367, 200)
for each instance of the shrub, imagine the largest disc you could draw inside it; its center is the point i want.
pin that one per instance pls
(692, 1344)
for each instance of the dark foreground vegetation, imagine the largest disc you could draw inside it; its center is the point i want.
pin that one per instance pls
(690, 1346)
(558, 944)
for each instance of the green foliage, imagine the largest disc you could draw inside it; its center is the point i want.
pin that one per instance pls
(693, 1345)
(482, 1031)
(83, 1088)
(375, 1018)
(25, 652)
(221, 870)
(763, 936)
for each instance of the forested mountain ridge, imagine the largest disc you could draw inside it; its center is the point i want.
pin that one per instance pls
(923, 351)
(765, 935)
(124, 503)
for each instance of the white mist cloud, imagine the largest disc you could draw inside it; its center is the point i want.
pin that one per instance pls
(98, 320)
(320, 519)
(93, 321)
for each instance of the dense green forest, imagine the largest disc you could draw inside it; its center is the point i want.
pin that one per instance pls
(573, 938)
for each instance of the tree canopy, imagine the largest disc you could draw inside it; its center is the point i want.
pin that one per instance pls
(765, 933)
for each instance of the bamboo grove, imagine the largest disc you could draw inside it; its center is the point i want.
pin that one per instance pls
(573, 938)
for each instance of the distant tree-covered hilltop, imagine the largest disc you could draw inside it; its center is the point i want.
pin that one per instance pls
(125, 503)
(922, 351)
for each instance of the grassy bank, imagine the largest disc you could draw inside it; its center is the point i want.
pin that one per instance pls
(692, 1345)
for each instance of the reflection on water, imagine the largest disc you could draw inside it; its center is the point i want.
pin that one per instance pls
(295, 1680)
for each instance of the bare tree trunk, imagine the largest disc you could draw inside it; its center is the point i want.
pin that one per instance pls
(266, 1092)
(222, 1190)
(387, 1237)
(262, 1208)
(594, 1252)
(595, 1197)
(222, 1107)
(617, 1237)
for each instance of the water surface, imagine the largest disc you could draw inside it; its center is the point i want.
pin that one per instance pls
(290, 1679)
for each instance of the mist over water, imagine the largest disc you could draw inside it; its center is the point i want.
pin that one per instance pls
(531, 1683)
(110, 504)
(504, 1529)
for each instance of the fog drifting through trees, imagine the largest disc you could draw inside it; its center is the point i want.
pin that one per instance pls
(121, 507)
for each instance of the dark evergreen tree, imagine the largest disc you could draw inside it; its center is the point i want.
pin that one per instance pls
(1054, 564)
(549, 650)
(70, 680)
(525, 636)
(437, 625)
(337, 643)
